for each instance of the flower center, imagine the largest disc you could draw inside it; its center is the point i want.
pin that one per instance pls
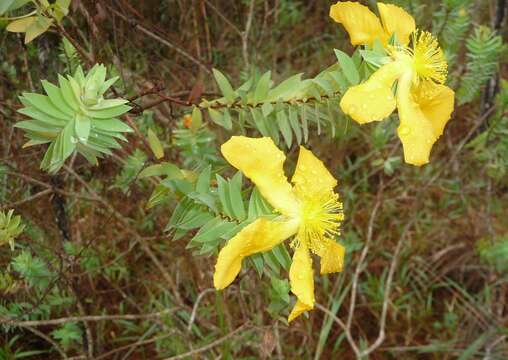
(425, 58)
(320, 218)
(429, 61)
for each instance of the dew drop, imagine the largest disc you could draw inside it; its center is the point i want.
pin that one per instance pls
(364, 106)
(74, 140)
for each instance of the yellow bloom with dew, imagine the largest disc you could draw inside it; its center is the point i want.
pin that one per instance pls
(309, 211)
(424, 104)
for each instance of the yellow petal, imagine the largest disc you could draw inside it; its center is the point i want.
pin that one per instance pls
(415, 131)
(362, 24)
(261, 235)
(298, 309)
(302, 279)
(397, 20)
(21, 25)
(372, 100)
(332, 256)
(311, 176)
(436, 102)
(262, 162)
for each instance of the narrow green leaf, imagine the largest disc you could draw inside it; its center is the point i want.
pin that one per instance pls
(285, 128)
(155, 144)
(56, 97)
(295, 125)
(348, 67)
(197, 119)
(169, 170)
(203, 182)
(258, 118)
(235, 195)
(224, 85)
(262, 88)
(286, 89)
(112, 125)
(223, 190)
(82, 128)
(109, 112)
(43, 104)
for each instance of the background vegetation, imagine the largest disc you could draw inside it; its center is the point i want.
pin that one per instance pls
(115, 261)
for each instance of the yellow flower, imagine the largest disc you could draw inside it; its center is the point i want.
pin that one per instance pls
(424, 103)
(309, 209)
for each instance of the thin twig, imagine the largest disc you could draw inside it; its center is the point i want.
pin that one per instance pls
(28, 199)
(213, 344)
(245, 34)
(134, 345)
(46, 338)
(60, 321)
(142, 241)
(352, 303)
(163, 41)
(196, 305)
(387, 290)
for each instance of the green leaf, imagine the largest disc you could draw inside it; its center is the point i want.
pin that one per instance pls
(223, 190)
(67, 92)
(266, 109)
(259, 121)
(281, 288)
(295, 125)
(38, 27)
(43, 104)
(82, 128)
(162, 169)
(220, 119)
(108, 104)
(158, 196)
(281, 254)
(68, 334)
(155, 144)
(285, 128)
(9, 5)
(326, 86)
(235, 196)
(112, 125)
(286, 89)
(348, 67)
(197, 119)
(213, 230)
(203, 183)
(56, 97)
(224, 86)
(262, 88)
(108, 112)
(258, 262)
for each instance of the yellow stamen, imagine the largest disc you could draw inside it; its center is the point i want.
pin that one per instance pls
(320, 219)
(429, 61)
